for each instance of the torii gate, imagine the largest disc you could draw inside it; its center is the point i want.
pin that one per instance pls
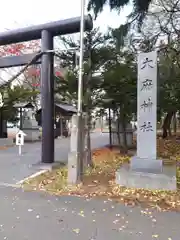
(45, 32)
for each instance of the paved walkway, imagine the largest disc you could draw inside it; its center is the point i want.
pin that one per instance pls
(35, 216)
(14, 168)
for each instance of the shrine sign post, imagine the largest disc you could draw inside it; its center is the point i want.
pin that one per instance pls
(147, 115)
(145, 170)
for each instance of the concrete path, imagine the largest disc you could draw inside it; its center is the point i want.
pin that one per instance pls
(35, 216)
(14, 168)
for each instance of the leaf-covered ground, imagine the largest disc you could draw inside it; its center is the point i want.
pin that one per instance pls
(99, 181)
(5, 147)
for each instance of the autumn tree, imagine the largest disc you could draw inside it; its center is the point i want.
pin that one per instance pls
(95, 56)
(14, 90)
(120, 83)
(29, 78)
(28, 81)
(160, 31)
(95, 50)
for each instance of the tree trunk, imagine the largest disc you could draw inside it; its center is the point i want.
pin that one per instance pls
(124, 140)
(101, 120)
(3, 126)
(123, 143)
(89, 155)
(174, 124)
(88, 103)
(167, 124)
(118, 133)
(110, 128)
(5, 133)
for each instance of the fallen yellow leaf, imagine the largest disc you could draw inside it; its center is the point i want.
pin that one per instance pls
(155, 236)
(76, 230)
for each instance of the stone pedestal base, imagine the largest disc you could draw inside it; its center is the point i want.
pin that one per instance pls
(166, 180)
(32, 135)
(146, 165)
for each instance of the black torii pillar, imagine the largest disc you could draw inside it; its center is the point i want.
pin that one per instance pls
(46, 32)
(47, 99)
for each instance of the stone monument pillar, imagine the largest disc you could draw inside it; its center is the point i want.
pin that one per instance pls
(145, 170)
(146, 159)
(30, 126)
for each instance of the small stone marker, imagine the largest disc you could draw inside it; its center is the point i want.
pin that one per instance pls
(30, 126)
(20, 140)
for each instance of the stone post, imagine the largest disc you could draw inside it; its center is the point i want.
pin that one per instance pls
(30, 126)
(146, 112)
(145, 170)
(73, 164)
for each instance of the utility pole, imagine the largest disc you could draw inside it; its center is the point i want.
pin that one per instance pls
(80, 148)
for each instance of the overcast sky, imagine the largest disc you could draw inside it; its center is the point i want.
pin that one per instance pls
(21, 13)
(17, 13)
